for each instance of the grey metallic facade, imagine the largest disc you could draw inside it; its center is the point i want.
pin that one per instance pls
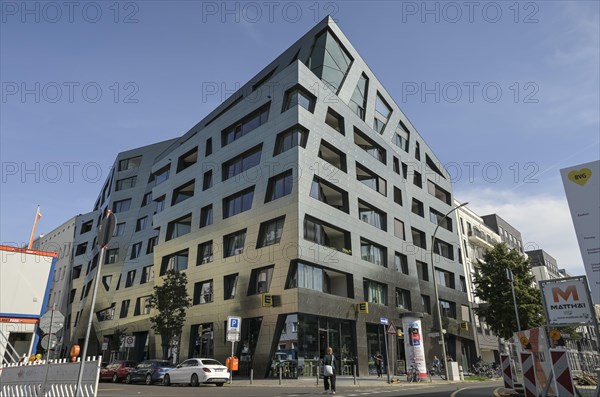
(308, 184)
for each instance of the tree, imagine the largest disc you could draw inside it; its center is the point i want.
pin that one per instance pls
(171, 300)
(493, 287)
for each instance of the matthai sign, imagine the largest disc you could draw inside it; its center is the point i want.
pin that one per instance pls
(567, 301)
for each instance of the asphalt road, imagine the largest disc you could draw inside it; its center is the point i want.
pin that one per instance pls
(273, 389)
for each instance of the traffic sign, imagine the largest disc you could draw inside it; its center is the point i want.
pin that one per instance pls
(52, 322)
(233, 337)
(234, 324)
(384, 320)
(49, 339)
(106, 229)
(392, 329)
(129, 341)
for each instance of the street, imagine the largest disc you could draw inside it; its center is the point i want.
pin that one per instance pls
(346, 388)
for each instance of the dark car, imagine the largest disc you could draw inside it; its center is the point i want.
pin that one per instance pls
(117, 370)
(149, 371)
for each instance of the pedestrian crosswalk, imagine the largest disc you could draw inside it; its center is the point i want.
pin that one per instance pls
(361, 393)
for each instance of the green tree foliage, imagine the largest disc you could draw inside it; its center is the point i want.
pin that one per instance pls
(171, 300)
(493, 287)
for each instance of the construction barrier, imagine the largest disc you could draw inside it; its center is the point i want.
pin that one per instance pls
(507, 371)
(563, 382)
(529, 379)
(53, 379)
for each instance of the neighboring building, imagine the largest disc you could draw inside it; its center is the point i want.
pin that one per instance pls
(543, 266)
(509, 235)
(308, 184)
(25, 279)
(476, 237)
(60, 240)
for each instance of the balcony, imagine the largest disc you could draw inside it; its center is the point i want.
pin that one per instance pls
(479, 238)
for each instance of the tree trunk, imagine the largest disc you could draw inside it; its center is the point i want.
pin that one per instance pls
(165, 344)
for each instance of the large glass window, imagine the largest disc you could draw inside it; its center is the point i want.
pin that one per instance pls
(403, 299)
(179, 227)
(310, 276)
(438, 218)
(183, 192)
(444, 278)
(374, 253)
(322, 233)
(417, 207)
(444, 249)
(329, 60)
(371, 179)
(332, 155)
(418, 238)
(383, 112)
(270, 232)
(238, 202)
(206, 215)
(374, 217)
(203, 292)
(188, 159)
(290, 138)
(205, 253)
(298, 96)
(141, 223)
(358, 101)
(370, 146)
(242, 162)
(245, 125)
(126, 183)
(329, 194)
(121, 206)
(448, 308)
(230, 286)
(375, 292)
(234, 243)
(279, 186)
(401, 263)
(161, 175)
(177, 261)
(423, 270)
(260, 280)
(438, 192)
(130, 163)
(335, 121)
(402, 137)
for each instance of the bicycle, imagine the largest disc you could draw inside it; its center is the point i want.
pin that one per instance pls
(436, 370)
(412, 375)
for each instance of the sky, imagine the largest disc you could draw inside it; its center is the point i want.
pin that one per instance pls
(506, 93)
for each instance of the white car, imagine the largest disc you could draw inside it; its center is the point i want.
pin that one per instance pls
(198, 370)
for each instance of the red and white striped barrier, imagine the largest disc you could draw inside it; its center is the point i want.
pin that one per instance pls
(529, 380)
(507, 371)
(563, 383)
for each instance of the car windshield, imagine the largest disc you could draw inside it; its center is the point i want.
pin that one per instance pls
(163, 364)
(211, 362)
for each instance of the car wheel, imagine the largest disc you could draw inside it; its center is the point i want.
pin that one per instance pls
(148, 379)
(194, 382)
(115, 378)
(167, 380)
(220, 384)
(128, 379)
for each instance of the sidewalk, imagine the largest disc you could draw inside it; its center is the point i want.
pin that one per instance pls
(345, 381)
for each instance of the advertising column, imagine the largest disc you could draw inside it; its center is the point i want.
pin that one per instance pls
(413, 343)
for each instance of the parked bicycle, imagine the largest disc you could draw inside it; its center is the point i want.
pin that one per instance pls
(482, 368)
(412, 375)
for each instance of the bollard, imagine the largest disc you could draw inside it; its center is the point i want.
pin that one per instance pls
(280, 374)
(251, 375)
(354, 373)
(461, 373)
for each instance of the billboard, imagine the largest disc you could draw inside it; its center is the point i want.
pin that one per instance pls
(567, 301)
(25, 279)
(582, 187)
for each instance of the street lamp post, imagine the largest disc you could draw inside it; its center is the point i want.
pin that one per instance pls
(435, 289)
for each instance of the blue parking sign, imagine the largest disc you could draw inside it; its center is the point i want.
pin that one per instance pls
(234, 323)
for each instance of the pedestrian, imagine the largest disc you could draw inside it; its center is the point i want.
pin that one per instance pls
(329, 371)
(379, 364)
(436, 365)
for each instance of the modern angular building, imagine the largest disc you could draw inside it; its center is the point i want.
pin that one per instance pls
(310, 185)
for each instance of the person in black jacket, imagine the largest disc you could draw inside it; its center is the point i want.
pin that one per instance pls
(329, 373)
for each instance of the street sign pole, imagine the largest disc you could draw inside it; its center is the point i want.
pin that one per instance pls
(105, 233)
(49, 349)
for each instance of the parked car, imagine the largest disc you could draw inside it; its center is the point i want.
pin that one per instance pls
(149, 371)
(117, 370)
(196, 371)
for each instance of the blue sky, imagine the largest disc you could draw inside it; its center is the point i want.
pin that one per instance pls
(505, 93)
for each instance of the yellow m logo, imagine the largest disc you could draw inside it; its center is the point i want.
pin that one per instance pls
(572, 290)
